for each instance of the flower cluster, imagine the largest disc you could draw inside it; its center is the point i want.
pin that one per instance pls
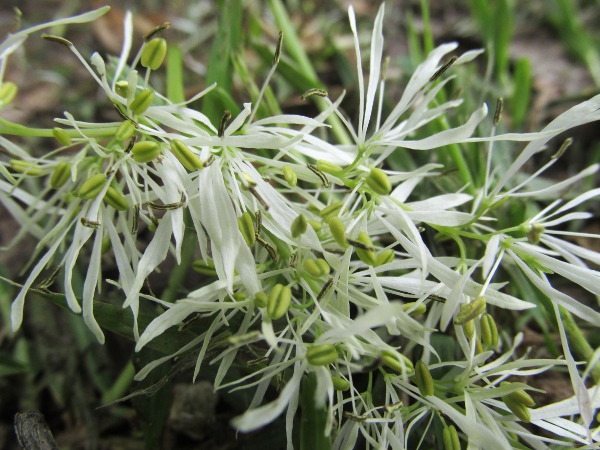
(315, 255)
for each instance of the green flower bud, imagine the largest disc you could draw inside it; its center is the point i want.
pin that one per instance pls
(338, 231)
(339, 384)
(61, 136)
(421, 309)
(261, 299)
(321, 355)
(478, 346)
(366, 253)
(204, 268)
(92, 186)
(142, 102)
(28, 168)
(331, 211)
(323, 266)
(517, 408)
(289, 175)
(423, 379)
(469, 328)
(451, 440)
(315, 224)
(61, 174)
(489, 331)
(144, 152)
(279, 301)
(8, 90)
(299, 226)
(520, 396)
(385, 257)
(469, 311)
(121, 88)
(246, 227)
(239, 296)
(185, 156)
(312, 268)
(379, 182)
(125, 130)
(154, 53)
(115, 199)
(397, 362)
(106, 245)
(325, 166)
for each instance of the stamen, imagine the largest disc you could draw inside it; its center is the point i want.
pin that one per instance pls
(156, 30)
(563, 148)
(124, 116)
(168, 206)
(325, 289)
(90, 223)
(320, 174)
(258, 215)
(270, 248)
(131, 143)
(62, 41)
(314, 91)
(254, 192)
(442, 69)
(498, 113)
(278, 49)
(135, 219)
(360, 245)
(223, 123)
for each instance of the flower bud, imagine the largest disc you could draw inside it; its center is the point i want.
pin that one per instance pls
(142, 102)
(261, 299)
(115, 199)
(185, 156)
(8, 90)
(469, 311)
(289, 175)
(339, 384)
(144, 152)
(393, 361)
(379, 182)
(421, 309)
(321, 355)
(312, 268)
(326, 166)
(239, 296)
(106, 245)
(338, 231)
(204, 268)
(61, 174)
(154, 53)
(279, 301)
(451, 440)
(489, 331)
(121, 88)
(246, 227)
(299, 226)
(520, 396)
(517, 408)
(469, 328)
(331, 211)
(423, 379)
(325, 269)
(366, 253)
(385, 257)
(315, 224)
(92, 186)
(61, 136)
(28, 168)
(125, 130)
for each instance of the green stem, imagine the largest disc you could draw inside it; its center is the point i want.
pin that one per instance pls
(578, 343)
(313, 419)
(19, 130)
